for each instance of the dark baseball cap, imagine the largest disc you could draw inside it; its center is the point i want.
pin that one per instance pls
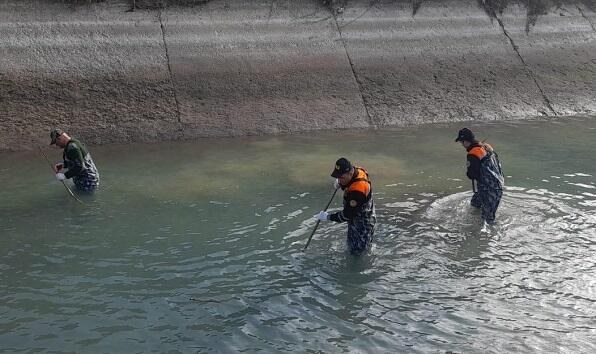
(465, 134)
(54, 134)
(341, 166)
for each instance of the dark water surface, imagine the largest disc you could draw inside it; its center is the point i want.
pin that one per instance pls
(196, 247)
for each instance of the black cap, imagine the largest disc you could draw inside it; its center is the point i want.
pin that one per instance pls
(465, 134)
(341, 166)
(54, 134)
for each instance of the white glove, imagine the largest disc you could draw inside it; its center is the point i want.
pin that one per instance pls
(60, 176)
(335, 183)
(322, 216)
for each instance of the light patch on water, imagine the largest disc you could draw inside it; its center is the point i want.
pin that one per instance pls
(452, 212)
(408, 205)
(579, 174)
(242, 230)
(303, 229)
(587, 186)
(429, 195)
(512, 188)
(520, 210)
(270, 209)
(294, 214)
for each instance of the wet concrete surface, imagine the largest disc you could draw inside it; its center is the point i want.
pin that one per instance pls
(228, 67)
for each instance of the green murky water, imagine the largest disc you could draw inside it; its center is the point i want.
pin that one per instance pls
(196, 247)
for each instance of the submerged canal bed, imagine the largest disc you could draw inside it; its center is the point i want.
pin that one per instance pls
(196, 247)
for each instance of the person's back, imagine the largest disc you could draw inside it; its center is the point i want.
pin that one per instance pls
(491, 173)
(361, 225)
(81, 167)
(483, 167)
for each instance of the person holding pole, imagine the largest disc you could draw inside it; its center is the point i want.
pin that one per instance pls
(484, 169)
(358, 206)
(77, 163)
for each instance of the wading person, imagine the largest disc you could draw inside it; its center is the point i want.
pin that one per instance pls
(77, 163)
(484, 169)
(358, 206)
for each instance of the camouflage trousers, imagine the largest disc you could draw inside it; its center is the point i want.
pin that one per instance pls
(488, 200)
(86, 184)
(88, 180)
(361, 231)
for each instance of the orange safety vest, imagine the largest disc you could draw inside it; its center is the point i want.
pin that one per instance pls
(360, 183)
(477, 151)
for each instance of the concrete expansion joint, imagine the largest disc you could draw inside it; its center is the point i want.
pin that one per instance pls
(371, 122)
(586, 18)
(528, 69)
(165, 45)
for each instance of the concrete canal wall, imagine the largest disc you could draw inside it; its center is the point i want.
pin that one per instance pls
(228, 67)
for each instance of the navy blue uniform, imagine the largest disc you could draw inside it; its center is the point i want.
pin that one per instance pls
(358, 211)
(485, 168)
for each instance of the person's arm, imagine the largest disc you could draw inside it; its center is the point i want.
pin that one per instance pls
(355, 200)
(75, 163)
(473, 171)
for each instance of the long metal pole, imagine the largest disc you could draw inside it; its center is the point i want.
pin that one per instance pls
(318, 221)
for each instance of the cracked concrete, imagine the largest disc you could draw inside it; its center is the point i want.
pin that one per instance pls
(234, 67)
(449, 62)
(591, 19)
(371, 122)
(98, 71)
(516, 50)
(563, 62)
(165, 45)
(252, 68)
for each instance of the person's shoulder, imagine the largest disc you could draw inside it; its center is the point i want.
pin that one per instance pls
(356, 196)
(488, 147)
(74, 147)
(476, 151)
(359, 187)
(73, 144)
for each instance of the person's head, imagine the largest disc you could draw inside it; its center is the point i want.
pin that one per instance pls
(59, 137)
(343, 171)
(466, 137)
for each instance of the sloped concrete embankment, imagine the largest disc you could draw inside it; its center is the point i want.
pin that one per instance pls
(108, 74)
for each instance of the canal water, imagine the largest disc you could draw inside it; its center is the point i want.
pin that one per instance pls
(196, 247)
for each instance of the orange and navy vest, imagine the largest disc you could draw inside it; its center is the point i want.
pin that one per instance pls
(478, 151)
(360, 183)
(490, 166)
